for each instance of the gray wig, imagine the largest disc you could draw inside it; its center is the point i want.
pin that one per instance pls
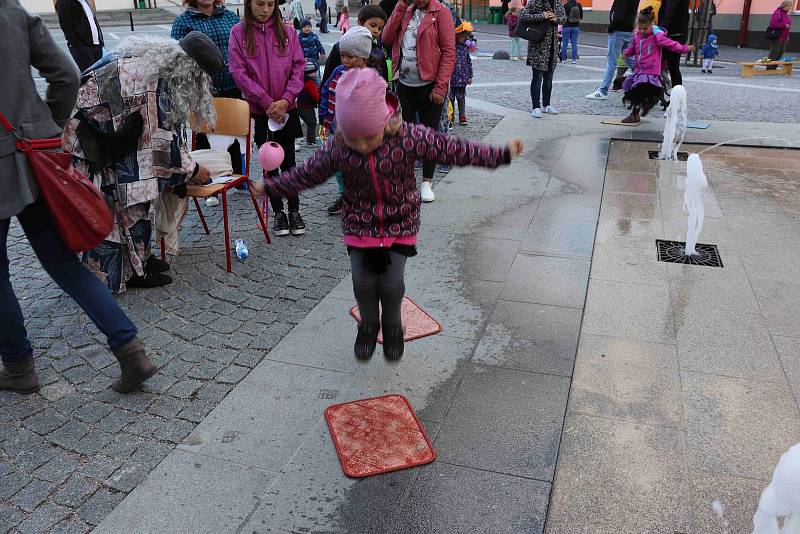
(189, 87)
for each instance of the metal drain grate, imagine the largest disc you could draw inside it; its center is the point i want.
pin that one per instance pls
(682, 156)
(672, 252)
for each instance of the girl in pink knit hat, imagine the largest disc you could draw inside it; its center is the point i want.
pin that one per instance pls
(375, 150)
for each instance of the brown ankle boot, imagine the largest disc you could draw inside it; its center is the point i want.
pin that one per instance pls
(135, 366)
(19, 377)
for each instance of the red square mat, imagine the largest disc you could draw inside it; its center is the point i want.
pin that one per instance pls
(378, 435)
(417, 322)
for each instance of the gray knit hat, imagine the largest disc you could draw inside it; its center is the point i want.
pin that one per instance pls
(203, 50)
(356, 42)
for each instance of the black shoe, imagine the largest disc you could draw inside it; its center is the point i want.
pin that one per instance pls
(155, 265)
(393, 343)
(281, 224)
(336, 207)
(711, 72)
(366, 339)
(702, 71)
(296, 224)
(149, 280)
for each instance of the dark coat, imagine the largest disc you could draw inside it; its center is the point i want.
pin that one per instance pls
(25, 36)
(622, 16)
(673, 16)
(75, 25)
(543, 55)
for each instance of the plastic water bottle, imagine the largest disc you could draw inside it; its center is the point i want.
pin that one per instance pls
(241, 249)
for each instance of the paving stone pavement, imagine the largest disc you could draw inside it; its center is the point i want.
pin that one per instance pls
(70, 453)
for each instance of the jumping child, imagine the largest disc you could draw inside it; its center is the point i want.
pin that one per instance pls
(462, 73)
(375, 150)
(644, 89)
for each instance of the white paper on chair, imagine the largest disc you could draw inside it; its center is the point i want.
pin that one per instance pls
(221, 180)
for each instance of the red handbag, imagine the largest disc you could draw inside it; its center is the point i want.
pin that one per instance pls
(79, 210)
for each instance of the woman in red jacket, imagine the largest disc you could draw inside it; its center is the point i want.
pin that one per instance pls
(423, 40)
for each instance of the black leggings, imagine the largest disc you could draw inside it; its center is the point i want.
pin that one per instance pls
(371, 288)
(285, 138)
(674, 65)
(309, 116)
(459, 95)
(417, 100)
(541, 83)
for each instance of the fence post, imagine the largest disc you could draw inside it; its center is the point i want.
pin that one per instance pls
(130, 14)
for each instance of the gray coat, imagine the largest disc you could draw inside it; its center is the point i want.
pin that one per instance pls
(544, 55)
(27, 43)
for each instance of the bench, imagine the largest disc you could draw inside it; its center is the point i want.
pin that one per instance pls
(749, 68)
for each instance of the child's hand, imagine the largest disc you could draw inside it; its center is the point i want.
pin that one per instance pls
(515, 147)
(469, 82)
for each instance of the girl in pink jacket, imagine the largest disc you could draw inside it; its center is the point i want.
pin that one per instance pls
(644, 89)
(375, 150)
(267, 63)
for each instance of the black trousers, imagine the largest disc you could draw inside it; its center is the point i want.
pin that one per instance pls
(309, 116)
(674, 65)
(417, 101)
(285, 138)
(541, 85)
(85, 56)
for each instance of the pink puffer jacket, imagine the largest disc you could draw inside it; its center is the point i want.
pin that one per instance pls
(647, 51)
(381, 200)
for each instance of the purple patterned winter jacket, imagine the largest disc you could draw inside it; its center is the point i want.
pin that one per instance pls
(381, 200)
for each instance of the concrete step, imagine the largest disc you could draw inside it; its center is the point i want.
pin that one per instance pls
(121, 17)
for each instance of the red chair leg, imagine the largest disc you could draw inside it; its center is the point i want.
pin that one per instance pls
(261, 218)
(227, 233)
(200, 212)
(163, 250)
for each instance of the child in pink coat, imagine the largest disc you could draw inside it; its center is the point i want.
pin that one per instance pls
(644, 89)
(375, 151)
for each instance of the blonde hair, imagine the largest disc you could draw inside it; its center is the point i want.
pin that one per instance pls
(786, 3)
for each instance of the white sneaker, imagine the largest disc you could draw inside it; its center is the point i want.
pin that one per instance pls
(212, 201)
(537, 113)
(574, 62)
(426, 192)
(551, 110)
(514, 59)
(597, 95)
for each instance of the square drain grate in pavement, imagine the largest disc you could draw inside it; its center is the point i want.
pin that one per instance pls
(378, 435)
(417, 323)
(672, 252)
(682, 156)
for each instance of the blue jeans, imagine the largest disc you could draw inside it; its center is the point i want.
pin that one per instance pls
(569, 34)
(513, 50)
(66, 270)
(617, 42)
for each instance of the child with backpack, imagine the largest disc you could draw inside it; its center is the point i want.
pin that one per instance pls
(307, 102)
(709, 51)
(644, 89)
(512, 18)
(462, 73)
(375, 151)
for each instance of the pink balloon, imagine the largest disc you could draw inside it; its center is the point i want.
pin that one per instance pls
(270, 156)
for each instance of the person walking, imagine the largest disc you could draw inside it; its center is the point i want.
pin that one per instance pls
(339, 5)
(781, 21)
(621, 19)
(84, 36)
(29, 41)
(571, 29)
(322, 6)
(673, 17)
(423, 40)
(296, 13)
(543, 55)
(266, 60)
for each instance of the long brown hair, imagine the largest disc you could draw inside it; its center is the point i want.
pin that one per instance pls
(277, 19)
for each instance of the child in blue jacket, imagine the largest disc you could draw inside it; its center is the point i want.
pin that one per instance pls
(709, 51)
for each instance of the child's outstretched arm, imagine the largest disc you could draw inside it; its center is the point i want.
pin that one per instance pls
(312, 172)
(450, 150)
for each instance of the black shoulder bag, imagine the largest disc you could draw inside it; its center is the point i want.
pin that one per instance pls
(532, 31)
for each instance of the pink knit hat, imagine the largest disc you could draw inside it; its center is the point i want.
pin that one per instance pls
(362, 106)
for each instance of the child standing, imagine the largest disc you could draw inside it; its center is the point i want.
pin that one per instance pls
(709, 51)
(312, 46)
(372, 18)
(355, 51)
(462, 73)
(266, 61)
(644, 89)
(376, 150)
(307, 103)
(344, 19)
(512, 17)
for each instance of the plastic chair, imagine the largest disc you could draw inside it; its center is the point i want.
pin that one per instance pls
(233, 119)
